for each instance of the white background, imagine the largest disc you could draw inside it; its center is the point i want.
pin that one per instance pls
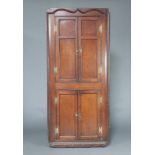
(143, 67)
(143, 77)
(11, 65)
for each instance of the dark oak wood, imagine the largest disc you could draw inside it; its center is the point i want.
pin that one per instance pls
(78, 77)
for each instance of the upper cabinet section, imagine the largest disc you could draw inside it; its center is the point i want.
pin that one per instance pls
(79, 44)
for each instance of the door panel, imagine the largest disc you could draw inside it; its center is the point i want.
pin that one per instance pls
(90, 45)
(88, 69)
(89, 110)
(67, 59)
(67, 27)
(66, 110)
(66, 45)
(88, 27)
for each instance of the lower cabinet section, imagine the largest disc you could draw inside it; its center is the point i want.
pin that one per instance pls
(78, 120)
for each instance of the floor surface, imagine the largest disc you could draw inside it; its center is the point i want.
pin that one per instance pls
(36, 143)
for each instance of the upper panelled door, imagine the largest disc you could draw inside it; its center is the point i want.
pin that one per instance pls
(66, 46)
(89, 48)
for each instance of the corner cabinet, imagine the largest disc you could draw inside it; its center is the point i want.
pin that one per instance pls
(78, 79)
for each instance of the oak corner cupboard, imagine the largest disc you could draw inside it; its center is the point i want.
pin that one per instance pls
(78, 77)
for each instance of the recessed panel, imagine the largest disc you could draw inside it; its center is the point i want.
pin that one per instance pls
(89, 115)
(67, 27)
(67, 107)
(67, 59)
(89, 59)
(89, 28)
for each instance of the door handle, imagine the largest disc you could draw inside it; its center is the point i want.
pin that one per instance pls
(80, 50)
(79, 116)
(76, 115)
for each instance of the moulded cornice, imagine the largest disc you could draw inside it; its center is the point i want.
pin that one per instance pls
(81, 10)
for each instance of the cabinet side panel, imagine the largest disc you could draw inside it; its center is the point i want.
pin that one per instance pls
(50, 76)
(105, 76)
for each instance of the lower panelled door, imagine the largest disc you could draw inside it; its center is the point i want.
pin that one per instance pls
(66, 108)
(78, 115)
(89, 122)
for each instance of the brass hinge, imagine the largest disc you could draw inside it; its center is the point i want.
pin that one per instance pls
(55, 70)
(100, 28)
(100, 130)
(101, 99)
(56, 131)
(56, 100)
(55, 28)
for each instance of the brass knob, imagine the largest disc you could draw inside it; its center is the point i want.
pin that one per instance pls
(76, 115)
(80, 50)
